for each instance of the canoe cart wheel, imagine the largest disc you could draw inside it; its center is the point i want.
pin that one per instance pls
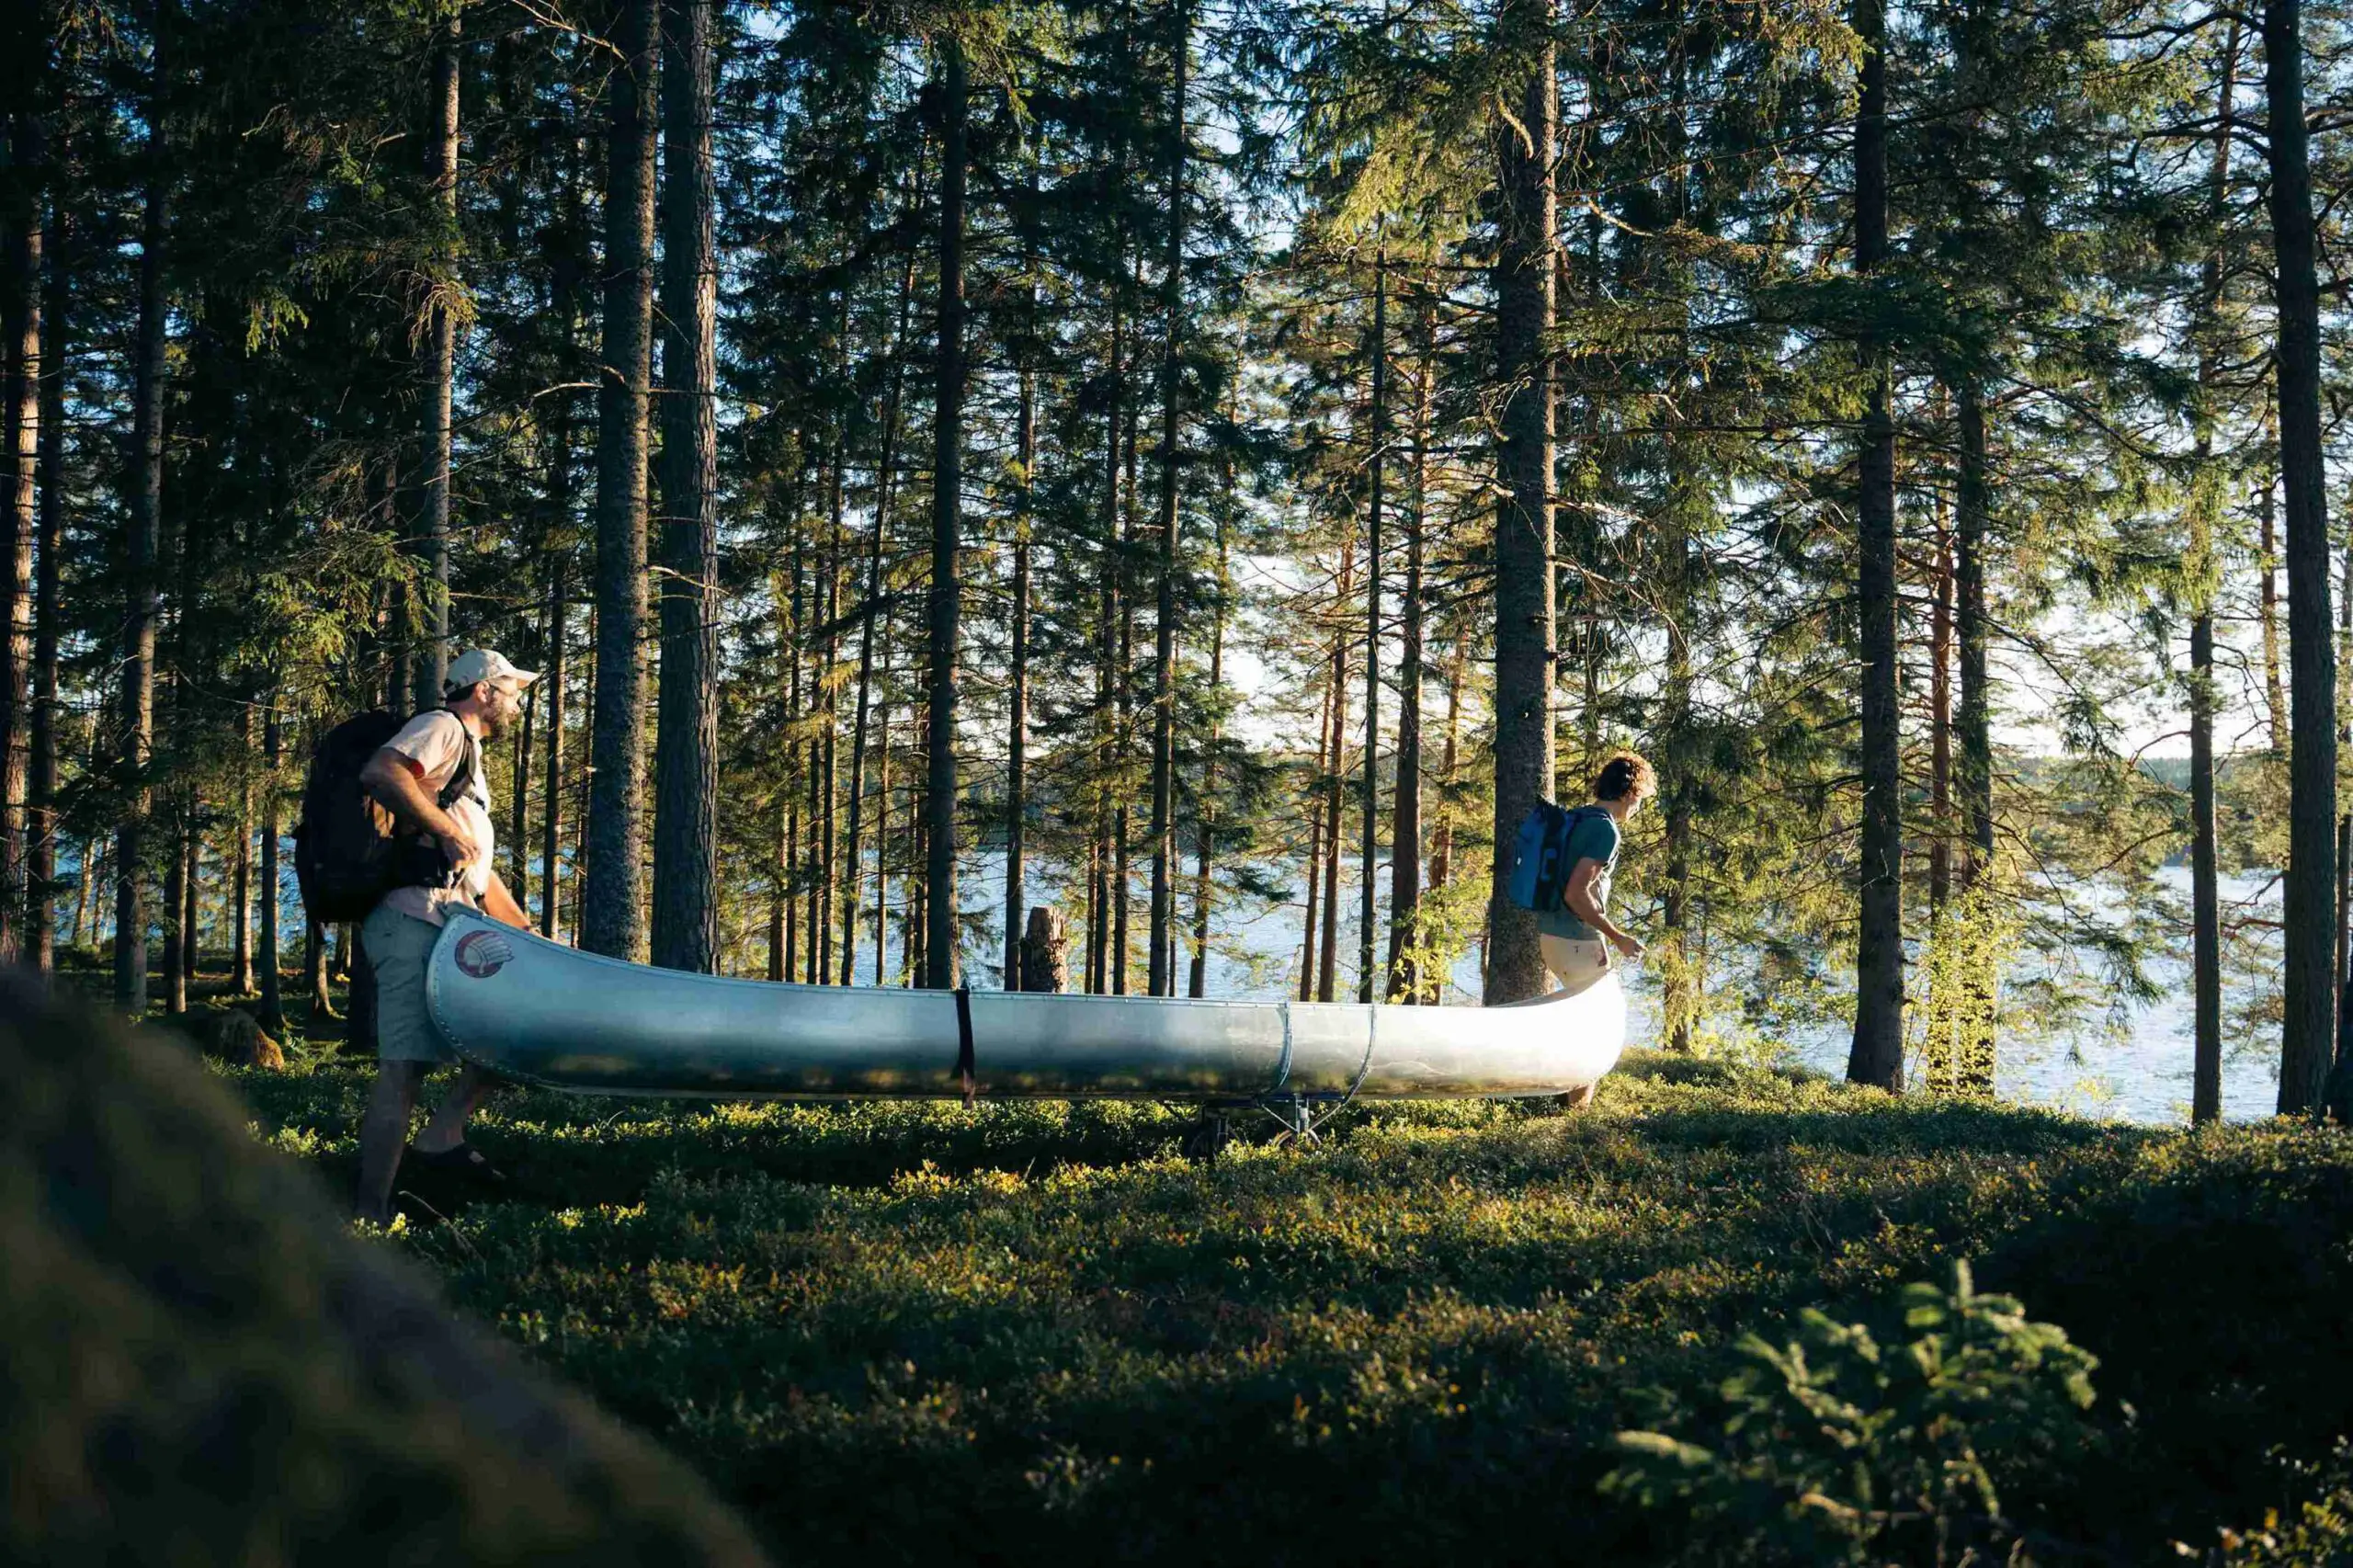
(1295, 1114)
(1207, 1139)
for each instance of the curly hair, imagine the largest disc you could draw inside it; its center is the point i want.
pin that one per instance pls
(1624, 774)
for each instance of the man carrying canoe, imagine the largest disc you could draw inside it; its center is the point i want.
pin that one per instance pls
(1576, 937)
(412, 775)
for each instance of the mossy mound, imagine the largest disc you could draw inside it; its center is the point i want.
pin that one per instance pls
(201, 1364)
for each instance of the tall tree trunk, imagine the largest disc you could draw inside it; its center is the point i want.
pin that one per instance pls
(2308, 1022)
(612, 904)
(1336, 784)
(441, 358)
(551, 811)
(881, 844)
(241, 871)
(1160, 978)
(1123, 669)
(2204, 570)
(685, 760)
(84, 931)
(791, 636)
(179, 934)
(1973, 718)
(1940, 725)
(40, 784)
(1405, 820)
(915, 929)
(315, 976)
(1679, 994)
(1877, 1056)
(2266, 512)
(191, 925)
(1442, 839)
(1017, 739)
(820, 921)
(943, 599)
(519, 827)
(1368, 976)
(20, 407)
(885, 478)
(273, 1007)
(144, 506)
(1197, 980)
(1525, 282)
(1325, 765)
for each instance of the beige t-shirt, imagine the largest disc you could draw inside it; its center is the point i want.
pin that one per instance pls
(435, 743)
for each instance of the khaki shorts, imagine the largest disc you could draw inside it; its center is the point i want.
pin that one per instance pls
(398, 945)
(1576, 964)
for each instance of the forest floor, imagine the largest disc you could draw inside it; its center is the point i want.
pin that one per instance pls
(915, 1333)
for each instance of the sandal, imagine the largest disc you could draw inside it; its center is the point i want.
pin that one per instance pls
(464, 1160)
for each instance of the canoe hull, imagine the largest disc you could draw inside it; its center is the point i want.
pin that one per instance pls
(546, 1013)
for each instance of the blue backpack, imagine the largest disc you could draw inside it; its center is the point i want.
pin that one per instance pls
(1540, 857)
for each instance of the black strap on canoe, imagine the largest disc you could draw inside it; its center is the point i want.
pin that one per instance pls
(964, 1041)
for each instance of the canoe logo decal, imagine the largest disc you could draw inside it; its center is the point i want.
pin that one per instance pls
(482, 954)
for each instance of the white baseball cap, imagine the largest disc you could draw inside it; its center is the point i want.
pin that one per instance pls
(486, 663)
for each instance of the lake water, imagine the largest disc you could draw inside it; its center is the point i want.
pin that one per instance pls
(2136, 1069)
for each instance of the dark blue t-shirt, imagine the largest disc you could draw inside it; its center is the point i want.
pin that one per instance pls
(1594, 836)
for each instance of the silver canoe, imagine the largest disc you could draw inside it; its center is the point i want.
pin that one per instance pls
(547, 1014)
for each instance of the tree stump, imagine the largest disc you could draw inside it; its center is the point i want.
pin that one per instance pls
(1045, 950)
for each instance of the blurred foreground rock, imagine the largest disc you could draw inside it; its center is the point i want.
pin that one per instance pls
(199, 1363)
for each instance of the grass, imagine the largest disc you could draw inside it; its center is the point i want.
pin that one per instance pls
(913, 1332)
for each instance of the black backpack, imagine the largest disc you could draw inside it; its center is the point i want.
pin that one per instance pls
(349, 851)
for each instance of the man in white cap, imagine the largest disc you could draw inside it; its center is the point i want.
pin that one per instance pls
(429, 776)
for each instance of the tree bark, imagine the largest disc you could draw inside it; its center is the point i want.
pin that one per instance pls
(240, 878)
(1160, 977)
(2204, 570)
(686, 762)
(441, 358)
(20, 407)
(821, 913)
(885, 479)
(1877, 1056)
(2308, 1022)
(1941, 727)
(145, 507)
(1324, 768)
(2267, 514)
(1017, 740)
(1524, 285)
(792, 637)
(1405, 820)
(41, 784)
(1335, 783)
(1123, 670)
(551, 811)
(943, 599)
(612, 904)
(881, 844)
(179, 932)
(1368, 981)
(314, 975)
(1197, 981)
(273, 1008)
(518, 828)
(1043, 955)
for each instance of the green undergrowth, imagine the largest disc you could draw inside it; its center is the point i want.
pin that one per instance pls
(917, 1333)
